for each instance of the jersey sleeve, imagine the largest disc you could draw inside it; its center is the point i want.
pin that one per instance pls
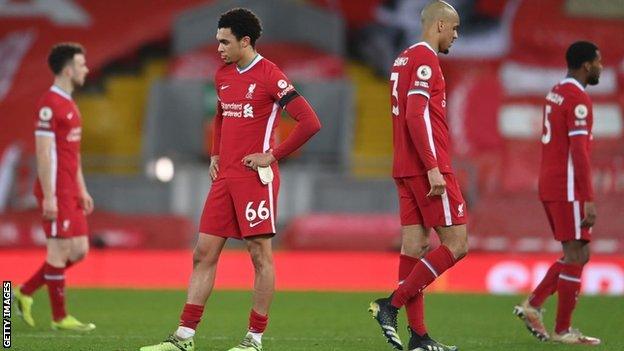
(577, 117)
(45, 122)
(424, 74)
(280, 87)
(217, 122)
(578, 113)
(418, 129)
(308, 124)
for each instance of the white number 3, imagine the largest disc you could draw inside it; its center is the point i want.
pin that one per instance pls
(394, 77)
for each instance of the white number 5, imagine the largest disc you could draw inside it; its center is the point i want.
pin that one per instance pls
(548, 133)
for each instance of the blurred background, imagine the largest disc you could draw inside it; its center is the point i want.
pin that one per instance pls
(149, 102)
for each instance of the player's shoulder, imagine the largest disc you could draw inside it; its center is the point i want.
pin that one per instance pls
(268, 67)
(571, 89)
(266, 63)
(422, 52)
(53, 99)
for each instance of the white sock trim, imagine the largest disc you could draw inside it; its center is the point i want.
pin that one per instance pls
(569, 278)
(184, 332)
(426, 263)
(256, 336)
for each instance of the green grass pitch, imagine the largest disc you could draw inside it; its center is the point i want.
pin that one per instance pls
(128, 319)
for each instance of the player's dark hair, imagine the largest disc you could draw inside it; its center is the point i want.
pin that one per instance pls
(62, 54)
(579, 53)
(243, 23)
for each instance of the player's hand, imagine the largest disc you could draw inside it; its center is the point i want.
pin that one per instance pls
(86, 202)
(590, 215)
(436, 180)
(214, 167)
(254, 161)
(50, 209)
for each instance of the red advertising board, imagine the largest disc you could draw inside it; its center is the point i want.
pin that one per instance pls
(314, 270)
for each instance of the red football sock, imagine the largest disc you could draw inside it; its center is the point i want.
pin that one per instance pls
(257, 322)
(55, 280)
(191, 315)
(547, 286)
(35, 282)
(568, 288)
(415, 306)
(424, 273)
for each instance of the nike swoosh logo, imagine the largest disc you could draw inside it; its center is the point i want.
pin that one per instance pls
(223, 87)
(251, 225)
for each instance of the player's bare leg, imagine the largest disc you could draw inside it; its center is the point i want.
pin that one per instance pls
(58, 251)
(454, 237)
(575, 255)
(79, 248)
(205, 258)
(414, 240)
(261, 251)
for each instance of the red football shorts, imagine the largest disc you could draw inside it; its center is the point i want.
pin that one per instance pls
(70, 220)
(240, 207)
(565, 220)
(438, 211)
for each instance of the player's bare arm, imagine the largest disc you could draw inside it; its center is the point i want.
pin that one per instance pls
(86, 201)
(44, 172)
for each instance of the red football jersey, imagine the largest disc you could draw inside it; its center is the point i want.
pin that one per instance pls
(417, 71)
(248, 112)
(565, 174)
(58, 117)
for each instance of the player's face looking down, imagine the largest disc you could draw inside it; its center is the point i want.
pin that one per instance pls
(448, 29)
(594, 68)
(77, 70)
(230, 48)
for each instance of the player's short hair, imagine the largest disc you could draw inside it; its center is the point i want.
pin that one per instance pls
(579, 53)
(243, 23)
(62, 54)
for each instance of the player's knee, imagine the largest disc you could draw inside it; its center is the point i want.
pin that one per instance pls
(78, 255)
(417, 251)
(59, 253)
(201, 256)
(581, 259)
(459, 248)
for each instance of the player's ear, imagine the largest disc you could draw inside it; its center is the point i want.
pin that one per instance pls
(68, 70)
(245, 41)
(440, 26)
